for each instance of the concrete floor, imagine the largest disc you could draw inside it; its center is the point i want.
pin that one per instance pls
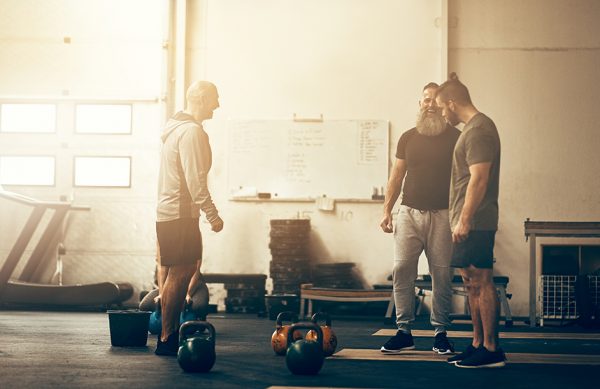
(73, 350)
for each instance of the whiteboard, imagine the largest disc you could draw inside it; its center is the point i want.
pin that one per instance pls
(296, 159)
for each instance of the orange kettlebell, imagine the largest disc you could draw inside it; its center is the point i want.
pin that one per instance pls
(329, 338)
(279, 339)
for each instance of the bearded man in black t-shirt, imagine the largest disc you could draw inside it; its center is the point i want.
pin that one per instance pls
(422, 174)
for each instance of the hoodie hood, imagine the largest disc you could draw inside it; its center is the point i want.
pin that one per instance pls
(178, 119)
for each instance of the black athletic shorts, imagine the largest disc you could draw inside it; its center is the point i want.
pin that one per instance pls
(476, 250)
(179, 241)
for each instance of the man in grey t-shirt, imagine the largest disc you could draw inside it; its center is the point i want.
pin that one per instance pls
(473, 213)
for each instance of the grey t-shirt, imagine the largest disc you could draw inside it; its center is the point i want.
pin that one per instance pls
(479, 142)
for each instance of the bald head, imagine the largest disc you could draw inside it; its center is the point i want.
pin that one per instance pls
(202, 99)
(199, 89)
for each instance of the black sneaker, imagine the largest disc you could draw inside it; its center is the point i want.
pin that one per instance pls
(397, 343)
(442, 345)
(170, 347)
(483, 358)
(465, 354)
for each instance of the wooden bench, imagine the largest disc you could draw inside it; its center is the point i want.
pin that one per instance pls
(308, 293)
(383, 292)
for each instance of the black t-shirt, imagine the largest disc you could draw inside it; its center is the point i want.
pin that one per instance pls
(428, 167)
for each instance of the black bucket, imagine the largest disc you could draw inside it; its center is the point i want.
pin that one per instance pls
(128, 328)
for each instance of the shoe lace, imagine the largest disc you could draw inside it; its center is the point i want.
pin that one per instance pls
(443, 341)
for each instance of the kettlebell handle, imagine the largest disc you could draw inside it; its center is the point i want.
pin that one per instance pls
(286, 315)
(305, 326)
(189, 327)
(321, 315)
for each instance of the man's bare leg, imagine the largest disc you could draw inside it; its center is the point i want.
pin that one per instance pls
(194, 282)
(484, 299)
(163, 271)
(473, 299)
(489, 310)
(173, 297)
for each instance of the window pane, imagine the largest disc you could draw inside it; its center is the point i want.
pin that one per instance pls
(23, 170)
(28, 118)
(103, 171)
(103, 119)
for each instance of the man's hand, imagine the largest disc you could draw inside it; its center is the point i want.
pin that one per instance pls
(461, 232)
(386, 223)
(217, 224)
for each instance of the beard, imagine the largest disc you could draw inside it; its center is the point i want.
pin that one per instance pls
(452, 118)
(430, 124)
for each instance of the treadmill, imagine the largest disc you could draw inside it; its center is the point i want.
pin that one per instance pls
(22, 291)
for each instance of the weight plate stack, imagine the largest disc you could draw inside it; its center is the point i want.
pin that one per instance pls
(232, 308)
(287, 286)
(290, 260)
(279, 302)
(290, 265)
(288, 269)
(244, 293)
(287, 245)
(337, 276)
(296, 223)
(245, 297)
(289, 229)
(299, 251)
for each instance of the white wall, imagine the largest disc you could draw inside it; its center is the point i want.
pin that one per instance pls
(344, 59)
(532, 66)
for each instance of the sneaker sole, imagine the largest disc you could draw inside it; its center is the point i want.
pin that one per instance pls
(386, 351)
(442, 352)
(488, 366)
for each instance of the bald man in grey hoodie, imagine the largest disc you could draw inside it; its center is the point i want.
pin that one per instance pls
(183, 192)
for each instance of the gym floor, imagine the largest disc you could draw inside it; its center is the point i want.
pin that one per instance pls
(40, 349)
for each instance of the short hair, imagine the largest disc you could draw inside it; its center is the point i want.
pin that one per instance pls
(430, 85)
(199, 89)
(454, 90)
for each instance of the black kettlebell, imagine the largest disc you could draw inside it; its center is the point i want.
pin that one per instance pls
(304, 356)
(196, 352)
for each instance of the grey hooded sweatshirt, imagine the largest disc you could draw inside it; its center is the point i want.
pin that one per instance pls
(185, 161)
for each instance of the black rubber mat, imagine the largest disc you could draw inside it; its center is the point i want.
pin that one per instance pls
(72, 350)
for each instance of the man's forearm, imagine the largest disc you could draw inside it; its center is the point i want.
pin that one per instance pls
(394, 186)
(392, 192)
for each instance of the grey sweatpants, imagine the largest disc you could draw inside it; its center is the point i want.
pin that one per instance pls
(417, 231)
